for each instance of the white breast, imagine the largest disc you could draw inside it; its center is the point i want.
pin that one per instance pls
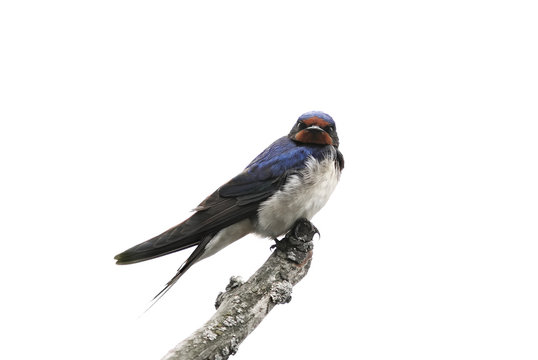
(301, 197)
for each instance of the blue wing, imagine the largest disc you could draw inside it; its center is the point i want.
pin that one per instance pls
(269, 170)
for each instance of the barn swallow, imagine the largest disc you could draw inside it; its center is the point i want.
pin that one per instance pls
(293, 178)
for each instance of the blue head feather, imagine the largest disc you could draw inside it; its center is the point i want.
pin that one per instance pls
(319, 114)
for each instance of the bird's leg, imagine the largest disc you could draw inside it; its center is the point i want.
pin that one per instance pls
(303, 227)
(297, 245)
(275, 245)
(301, 230)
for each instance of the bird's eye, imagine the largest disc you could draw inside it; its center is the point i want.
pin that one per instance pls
(330, 128)
(301, 125)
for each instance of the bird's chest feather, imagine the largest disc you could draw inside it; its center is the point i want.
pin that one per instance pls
(302, 196)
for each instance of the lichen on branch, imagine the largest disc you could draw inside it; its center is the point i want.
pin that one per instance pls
(243, 305)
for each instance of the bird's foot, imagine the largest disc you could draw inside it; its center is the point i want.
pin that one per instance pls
(275, 245)
(297, 244)
(304, 230)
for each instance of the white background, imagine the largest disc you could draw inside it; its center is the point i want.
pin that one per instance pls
(118, 117)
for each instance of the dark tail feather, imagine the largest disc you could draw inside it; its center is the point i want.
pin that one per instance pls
(168, 242)
(193, 258)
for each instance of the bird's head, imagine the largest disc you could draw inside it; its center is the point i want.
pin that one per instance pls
(315, 127)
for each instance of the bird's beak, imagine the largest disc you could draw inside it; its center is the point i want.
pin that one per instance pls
(314, 128)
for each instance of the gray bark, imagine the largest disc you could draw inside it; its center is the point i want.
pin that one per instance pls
(245, 304)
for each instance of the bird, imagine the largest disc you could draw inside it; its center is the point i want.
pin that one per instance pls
(291, 179)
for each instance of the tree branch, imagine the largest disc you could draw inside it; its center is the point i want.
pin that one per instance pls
(244, 305)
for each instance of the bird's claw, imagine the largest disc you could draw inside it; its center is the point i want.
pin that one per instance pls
(303, 228)
(275, 245)
(302, 231)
